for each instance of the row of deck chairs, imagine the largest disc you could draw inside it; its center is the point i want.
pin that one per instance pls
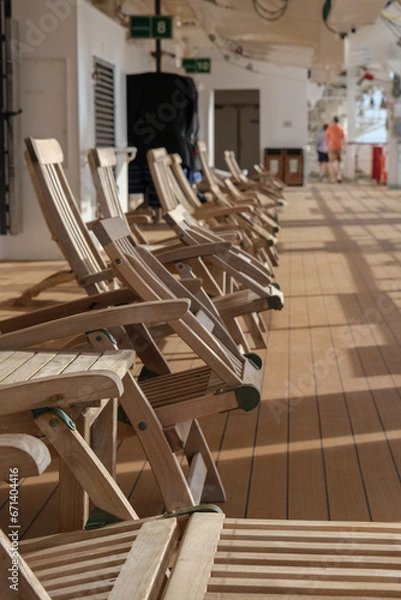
(66, 376)
(229, 374)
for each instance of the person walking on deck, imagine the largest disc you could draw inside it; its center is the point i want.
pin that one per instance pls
(335, 136)
(322, 148)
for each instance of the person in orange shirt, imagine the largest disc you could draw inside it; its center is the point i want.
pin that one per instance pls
(335, 136)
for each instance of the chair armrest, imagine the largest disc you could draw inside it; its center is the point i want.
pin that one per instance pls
(90, 224)
(229, 233)
(104, 275)
(217, 212)
(139, 218)
(65, 309)
(142, 312)
(59, 391)
(192, 285)
(29, 455)
(188, 252)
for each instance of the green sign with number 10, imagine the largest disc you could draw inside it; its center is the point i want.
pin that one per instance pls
(151, 27)
(196, 65)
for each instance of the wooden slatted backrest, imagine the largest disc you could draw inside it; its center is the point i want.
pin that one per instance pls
(186, 226)
(182, 179)
(207, 171)
(102, 162)
(233, 165)
(169, 192)
(172, 184)
(142, 272)
(233, 190)
(45, 163)
(236, 263)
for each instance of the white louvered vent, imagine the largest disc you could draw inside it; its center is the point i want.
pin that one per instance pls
(104, 103)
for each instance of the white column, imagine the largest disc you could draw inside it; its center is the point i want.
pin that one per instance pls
(349, 158)
(394, 144)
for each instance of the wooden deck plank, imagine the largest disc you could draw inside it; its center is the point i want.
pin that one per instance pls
(306, 467)
(268, 486)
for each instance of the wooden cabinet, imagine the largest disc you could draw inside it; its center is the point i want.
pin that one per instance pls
(286, 163)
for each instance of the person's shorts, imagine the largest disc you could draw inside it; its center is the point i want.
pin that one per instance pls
(322, 157)
(335, 154)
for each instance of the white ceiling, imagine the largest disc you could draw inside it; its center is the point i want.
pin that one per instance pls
(300, 37)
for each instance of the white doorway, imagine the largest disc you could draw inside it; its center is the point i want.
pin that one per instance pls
(236, 126)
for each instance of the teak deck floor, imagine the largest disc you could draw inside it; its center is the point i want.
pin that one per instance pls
(325, 443)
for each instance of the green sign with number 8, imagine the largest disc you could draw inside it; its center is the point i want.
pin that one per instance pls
(151, 27)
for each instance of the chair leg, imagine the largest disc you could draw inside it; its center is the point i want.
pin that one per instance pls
(237, 334)
(254, 330)
(73, 505)
(104, 436)
(165, 466)
(51, 281)
(213, 490)
(76, 453)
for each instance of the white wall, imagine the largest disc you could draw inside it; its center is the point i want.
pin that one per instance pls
(46, 54)
(283, 101)
(59, 41)
(99, 37)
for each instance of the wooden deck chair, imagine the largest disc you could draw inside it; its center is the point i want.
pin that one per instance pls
(264, 227)
(243, 215)
(102, 160)
(218, 187)
(162, 411)
(245, 183)
(37, 390)
(255, 292)
(261, 173)
(44, 159)
(45, 164)
(142, 272)
(236, 200)
(216, 557)
(175, 198)
(229, 559)
(127, 560)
